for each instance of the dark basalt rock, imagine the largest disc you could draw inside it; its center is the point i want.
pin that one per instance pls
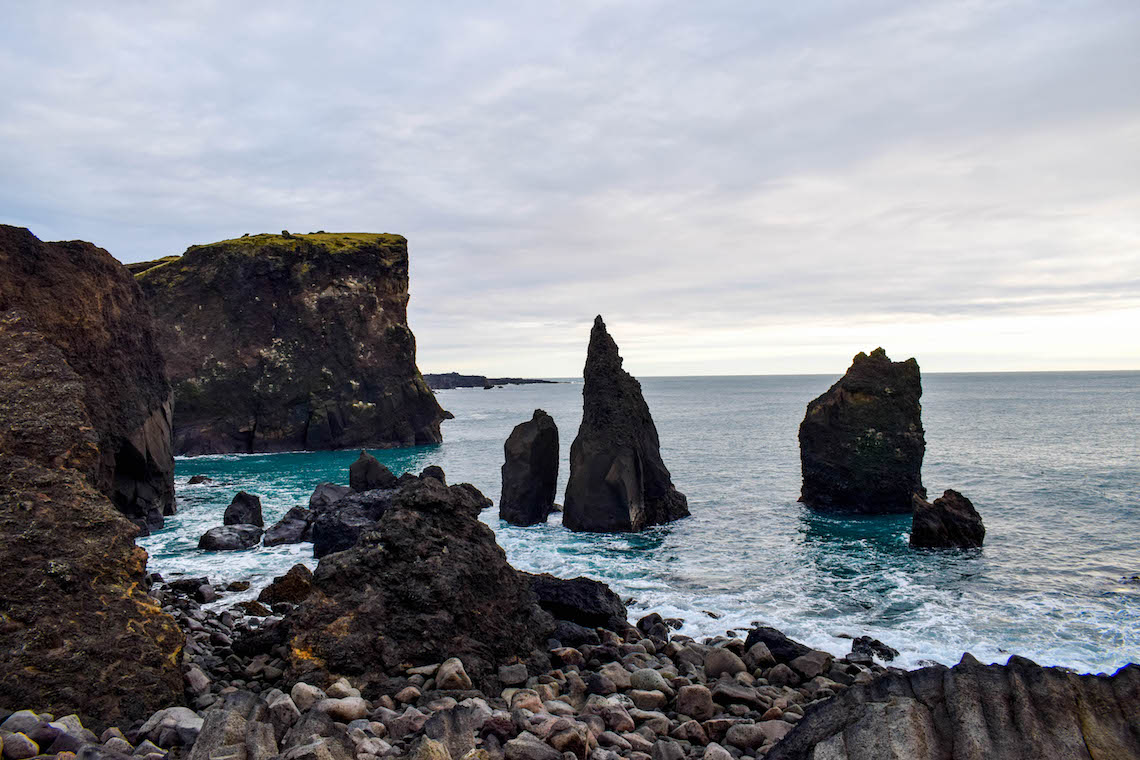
(316, 352)
(782, 648)
(83, 302)
(950, 522)
(530, 471)
(338, 526)
(328, 493)
(292, 587)
(1017, 711)
(78, 632)
(428, 583)
(618, 481)
(198, 479)
(367, 474)
(861, 442)
(295, 527)
(584, 601)
(245, 509)
(230, 538)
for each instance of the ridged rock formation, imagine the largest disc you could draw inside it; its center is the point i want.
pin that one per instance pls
(530, 471)
(950, 522)
(618, 482)
(428, 582)
(78, 632)
(82, 301)
(1017, 711)
(286, 342)
(861, 442)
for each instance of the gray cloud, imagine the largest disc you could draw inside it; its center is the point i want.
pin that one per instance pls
(781, 183)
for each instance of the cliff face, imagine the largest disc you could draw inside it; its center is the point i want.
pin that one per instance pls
(78, 632)
(278, 342)
(81, 300)
(862, 442)
(618, 481)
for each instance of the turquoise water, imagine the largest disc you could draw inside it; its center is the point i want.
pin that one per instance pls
(1051, 460)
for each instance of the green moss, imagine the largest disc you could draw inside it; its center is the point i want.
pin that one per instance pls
(145, 267)
(331, 241)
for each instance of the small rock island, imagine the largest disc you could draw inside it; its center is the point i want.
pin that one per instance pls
(530, 471)
(618, 482)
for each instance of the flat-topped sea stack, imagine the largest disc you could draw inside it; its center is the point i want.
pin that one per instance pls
(530, 471)
(861, 442)
(78, 631)
(618, 482)
(81, 300)
(291, 342)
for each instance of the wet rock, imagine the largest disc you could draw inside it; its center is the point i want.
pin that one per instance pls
(295, 527)
(199, 479)
(368, 474)
(862, 442)
(292, 587)
(781, 648)
(328, 493)
(951, 522)
(245, 509)
(873, 648)
(428, 581)
(618, 481)
(434, 471)
(530, 471)
(1017, 711)
(339, 526)
(230, 538)
(584, 601)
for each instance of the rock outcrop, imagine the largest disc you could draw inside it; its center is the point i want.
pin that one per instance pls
(584, 601)
(245, 509)
(530, 471)
(618, 481)
(78, 632)
(861, 442)
(83, 302)
(315, 352)
(1017, 711)
(950, 522)
(228, 538)
(428, 582)
(367, 474)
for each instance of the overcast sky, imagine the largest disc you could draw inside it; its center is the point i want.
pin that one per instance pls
(738, 187)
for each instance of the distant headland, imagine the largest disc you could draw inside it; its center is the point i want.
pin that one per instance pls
(448, 380)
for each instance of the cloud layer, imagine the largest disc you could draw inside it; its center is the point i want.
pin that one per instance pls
(738, 188)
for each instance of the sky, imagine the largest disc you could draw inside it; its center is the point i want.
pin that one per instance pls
(738, 187)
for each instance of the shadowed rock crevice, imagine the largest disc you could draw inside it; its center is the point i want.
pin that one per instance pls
(618, 481)
(862, 442)
(316, 352)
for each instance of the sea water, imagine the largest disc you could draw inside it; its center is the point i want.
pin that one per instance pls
(1050, 460)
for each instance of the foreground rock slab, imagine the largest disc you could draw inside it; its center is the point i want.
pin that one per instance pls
(530, 471)
(862, 442)
(618, 482)
(1018, 711)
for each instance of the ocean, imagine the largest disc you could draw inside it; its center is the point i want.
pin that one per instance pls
(1050, 460)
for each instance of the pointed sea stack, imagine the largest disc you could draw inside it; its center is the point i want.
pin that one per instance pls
(951, 522)
(618, 482)
(288, 342)
(861, 442)
(530, 471)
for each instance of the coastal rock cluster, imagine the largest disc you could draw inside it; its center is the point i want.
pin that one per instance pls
(862, 442)
(618, 481)
(81, 301)
(287, 342)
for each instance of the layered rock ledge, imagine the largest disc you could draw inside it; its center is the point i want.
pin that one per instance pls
(286, 342)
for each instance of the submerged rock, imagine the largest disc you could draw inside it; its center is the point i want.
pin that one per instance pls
(530, 471)
(230, 538)
(618, 481)
(78, 632)
(427, 583)
(950, 522)
(316, 352)
(862, 442)
(83, 302)
(1017, 711)
(245, 509)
